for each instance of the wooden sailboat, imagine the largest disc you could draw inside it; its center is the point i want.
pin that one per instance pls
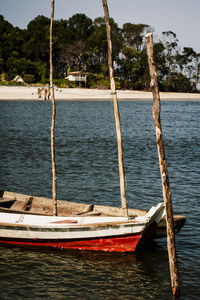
(26, 204)
(30, 221)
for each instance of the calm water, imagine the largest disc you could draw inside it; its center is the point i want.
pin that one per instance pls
(87, 171)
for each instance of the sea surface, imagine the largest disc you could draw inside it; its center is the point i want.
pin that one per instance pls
(87, 172)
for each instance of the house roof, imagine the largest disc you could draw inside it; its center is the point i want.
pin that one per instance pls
(76, 73)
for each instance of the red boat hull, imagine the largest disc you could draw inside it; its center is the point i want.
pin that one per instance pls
(112, 244)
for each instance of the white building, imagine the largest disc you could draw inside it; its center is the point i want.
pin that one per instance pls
(77, 76)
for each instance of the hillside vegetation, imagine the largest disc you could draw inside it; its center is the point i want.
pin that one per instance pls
(80, 44)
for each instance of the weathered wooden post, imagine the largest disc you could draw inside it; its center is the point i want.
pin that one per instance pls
(163, 169)
(116, 111)
(53, 114)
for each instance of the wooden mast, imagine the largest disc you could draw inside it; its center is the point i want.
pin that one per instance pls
(53, 114)
(163, 170)
(116, 111)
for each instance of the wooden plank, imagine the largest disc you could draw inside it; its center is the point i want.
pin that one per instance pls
(40, 210)
(19, 205)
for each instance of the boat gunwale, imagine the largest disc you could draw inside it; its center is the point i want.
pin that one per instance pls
(89, 227)
(41, 202)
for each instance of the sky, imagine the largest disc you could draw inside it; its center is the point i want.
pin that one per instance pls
(179, 16)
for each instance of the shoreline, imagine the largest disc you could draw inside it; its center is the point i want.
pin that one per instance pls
(81, 94)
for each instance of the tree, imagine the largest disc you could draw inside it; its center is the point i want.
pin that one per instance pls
(177, 83)
(188, 62)
(20, 66)
(80, 44)
(179, 66)
(80, 27)
(11, 42)
(37, 40)
(132, 62)
(76, 55)
(130, 68)
(170, 43)
(74, 49)
(133, 35)
(98, 44)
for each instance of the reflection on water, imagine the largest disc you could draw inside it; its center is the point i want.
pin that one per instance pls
(87, 171)
(83, 275)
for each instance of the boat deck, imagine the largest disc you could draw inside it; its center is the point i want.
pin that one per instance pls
(15, 202)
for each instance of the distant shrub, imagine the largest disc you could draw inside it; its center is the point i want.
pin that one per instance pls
(4, 77)
(12, 82)
(44, 81)
(99, 81)
(28, 78)
(63, 83)
(177, 83)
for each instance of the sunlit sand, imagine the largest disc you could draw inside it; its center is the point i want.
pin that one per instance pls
(31, 93)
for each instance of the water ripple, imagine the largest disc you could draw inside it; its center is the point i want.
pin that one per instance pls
(87, 171)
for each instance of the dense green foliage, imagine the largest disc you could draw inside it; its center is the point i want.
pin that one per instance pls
(80, 44)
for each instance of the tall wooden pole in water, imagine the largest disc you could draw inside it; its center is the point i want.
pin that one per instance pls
(116, 111)
(53, 114)
(163, 170)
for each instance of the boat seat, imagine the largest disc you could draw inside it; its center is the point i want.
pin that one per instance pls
(39, 210)
(19, 205)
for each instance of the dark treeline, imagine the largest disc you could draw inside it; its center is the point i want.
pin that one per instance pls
(80, 45)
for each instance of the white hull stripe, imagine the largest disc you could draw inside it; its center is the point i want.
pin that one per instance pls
(69, 229)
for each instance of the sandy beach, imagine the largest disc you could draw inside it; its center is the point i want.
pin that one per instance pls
(31, 93)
